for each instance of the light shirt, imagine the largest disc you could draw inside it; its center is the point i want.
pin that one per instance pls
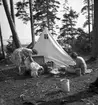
(80, 63)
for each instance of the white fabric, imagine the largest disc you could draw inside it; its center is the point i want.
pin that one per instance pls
(33, 66)
(52, 51)
(19, 54)
(27, 63)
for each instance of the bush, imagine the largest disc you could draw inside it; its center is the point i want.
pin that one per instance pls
(83, 45)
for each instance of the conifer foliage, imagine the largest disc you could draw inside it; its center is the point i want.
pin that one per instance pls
(43, 11)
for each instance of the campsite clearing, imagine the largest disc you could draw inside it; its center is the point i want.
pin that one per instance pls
(15, 89)
(48, 47)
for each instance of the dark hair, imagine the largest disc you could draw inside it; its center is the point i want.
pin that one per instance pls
(74, 55)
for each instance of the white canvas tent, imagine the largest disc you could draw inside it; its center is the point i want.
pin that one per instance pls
(51, 50)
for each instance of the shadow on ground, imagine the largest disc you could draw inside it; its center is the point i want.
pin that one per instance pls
(12, 74)
(69, 99)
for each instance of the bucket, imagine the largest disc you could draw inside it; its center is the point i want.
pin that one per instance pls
(65, 85)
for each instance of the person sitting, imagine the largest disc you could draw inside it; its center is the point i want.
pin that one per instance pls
(80, 63)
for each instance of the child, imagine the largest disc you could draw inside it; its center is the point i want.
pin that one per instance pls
(32, 66)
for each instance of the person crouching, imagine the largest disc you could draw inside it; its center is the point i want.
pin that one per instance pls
(32, 67)
(80, 63)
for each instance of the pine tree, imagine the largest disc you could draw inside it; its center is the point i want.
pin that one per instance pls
(95, 30)
(2, 46)
(43, 12)
(87, 10)
(11, 23)
(69, 23)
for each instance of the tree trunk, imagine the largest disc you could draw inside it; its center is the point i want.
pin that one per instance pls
(47, 13)
(11, 23)
(32, 23)
(13, 16)
(89, 19)
(1, 39)
(12, 10)
(95, 30)
(92, 14)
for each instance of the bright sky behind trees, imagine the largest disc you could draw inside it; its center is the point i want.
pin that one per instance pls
(24, 30)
